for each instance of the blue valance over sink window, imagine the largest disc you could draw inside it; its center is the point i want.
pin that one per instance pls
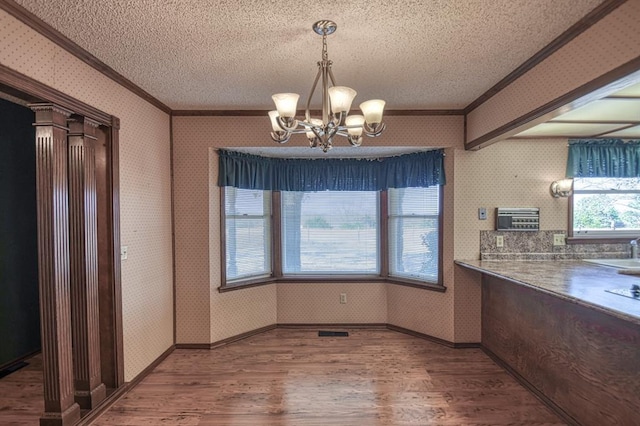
(613, 158)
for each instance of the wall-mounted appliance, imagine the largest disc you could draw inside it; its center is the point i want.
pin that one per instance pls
(517, 219)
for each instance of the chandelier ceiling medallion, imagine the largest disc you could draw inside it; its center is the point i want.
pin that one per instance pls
(336, 103)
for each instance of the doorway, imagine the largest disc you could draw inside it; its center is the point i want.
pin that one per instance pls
(104, 134)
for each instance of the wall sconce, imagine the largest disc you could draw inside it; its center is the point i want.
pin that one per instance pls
(562, 188)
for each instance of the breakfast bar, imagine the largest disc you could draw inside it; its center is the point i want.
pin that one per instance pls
(558, 329)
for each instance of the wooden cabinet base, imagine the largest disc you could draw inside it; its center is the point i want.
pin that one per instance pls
(584, 362)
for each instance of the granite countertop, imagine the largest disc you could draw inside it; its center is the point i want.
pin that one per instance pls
(574, 280)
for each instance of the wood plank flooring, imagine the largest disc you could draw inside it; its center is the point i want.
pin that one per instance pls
(293, 377)
(22, 395)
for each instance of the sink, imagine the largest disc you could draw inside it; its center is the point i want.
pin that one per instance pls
(616, 263)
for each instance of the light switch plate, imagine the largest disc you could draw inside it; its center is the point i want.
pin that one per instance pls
(482, 213)
(124, 252)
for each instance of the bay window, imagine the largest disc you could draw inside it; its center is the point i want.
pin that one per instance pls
(362, 231)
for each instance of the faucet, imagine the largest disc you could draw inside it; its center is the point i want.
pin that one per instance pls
(634, 248)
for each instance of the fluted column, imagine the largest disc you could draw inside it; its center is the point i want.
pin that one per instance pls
(89, 389)
(53, 264)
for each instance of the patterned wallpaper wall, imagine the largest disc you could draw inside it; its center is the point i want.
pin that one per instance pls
(511, 173)
(609, 43)
(145, 185)
(198, 237)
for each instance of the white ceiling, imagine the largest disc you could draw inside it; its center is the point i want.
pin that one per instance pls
(234, 54)
(614, 116)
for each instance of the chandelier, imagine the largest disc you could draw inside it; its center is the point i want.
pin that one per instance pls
(336, 103)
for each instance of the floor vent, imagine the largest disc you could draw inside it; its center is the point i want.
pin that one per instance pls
(333, 333)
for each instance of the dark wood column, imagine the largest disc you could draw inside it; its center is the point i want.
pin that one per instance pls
(83, 243)
(53, 260)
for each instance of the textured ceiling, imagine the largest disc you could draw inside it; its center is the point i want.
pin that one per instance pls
(216, 54)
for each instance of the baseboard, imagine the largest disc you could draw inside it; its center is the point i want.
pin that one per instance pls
(226, 341)
(531, 388)
(93, 415)
(193, 345)
(241, 336)
(302, 326)
(432, 338)
(111, 399)
(19, 359)
(144, 373)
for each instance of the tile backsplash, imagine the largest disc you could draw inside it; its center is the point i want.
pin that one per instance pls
(539, 246)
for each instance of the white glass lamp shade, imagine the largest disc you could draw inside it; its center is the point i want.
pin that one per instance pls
(372, 111)
(286, 104)
(316, 122)
(354, 120)
(341, 98)
(562, 188)
(273, 116)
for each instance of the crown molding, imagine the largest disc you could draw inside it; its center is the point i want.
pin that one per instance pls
(572, 32)
(37, 24)
(262, 113)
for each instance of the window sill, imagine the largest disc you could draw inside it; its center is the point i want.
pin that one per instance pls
(598, 240)
(334, 279)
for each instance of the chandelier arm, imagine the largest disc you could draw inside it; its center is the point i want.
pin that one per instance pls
(318, 132)
(331, 132)
(281, 137)
(326, 104)
(338, 119)
(331, 77)
(306, 125)
(297, 131)
(307, 114)
(283, 124)
(372, 133)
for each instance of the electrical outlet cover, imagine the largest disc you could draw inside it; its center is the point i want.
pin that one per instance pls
(559, 239)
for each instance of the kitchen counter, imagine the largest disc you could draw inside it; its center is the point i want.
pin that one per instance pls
(572, 280)
(553, 326)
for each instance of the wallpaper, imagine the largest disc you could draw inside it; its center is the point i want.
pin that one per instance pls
(198, 239)
(609, 43)
(506, 174)
(145, 185)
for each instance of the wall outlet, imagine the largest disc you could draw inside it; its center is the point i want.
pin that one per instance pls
(499, 241)
(343, 298)
(124, 252)
(482, 213)
(559, 239)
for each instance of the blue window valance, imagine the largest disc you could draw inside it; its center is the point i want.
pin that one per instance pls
(603, 158)
(248, 171)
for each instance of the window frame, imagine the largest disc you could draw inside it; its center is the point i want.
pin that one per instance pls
(277, 275)
(594, 238)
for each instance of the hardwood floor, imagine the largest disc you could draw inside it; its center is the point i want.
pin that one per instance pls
(294, 377)
(22, 395)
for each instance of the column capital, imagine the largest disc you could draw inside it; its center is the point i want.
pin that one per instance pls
(48, 114)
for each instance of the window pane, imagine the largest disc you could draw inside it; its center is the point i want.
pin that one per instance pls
(606, 206)
(248, 233)
(413, 233)
(606, 184)
(330, 232)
